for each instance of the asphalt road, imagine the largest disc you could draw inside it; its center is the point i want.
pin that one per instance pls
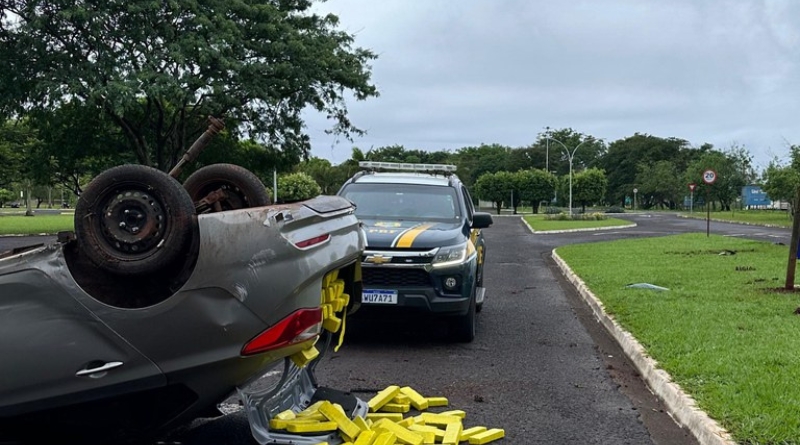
(534, 369)
(540, 367)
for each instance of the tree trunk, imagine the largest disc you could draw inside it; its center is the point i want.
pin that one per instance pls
(791, 265)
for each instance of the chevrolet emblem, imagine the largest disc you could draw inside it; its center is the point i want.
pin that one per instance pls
(378, 259)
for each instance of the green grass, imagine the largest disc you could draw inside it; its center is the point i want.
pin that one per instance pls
(19, 224)
(539, 223)
(722, 331)
(765, 217)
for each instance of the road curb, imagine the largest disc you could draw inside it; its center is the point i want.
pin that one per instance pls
(680, 405)
(590, 229)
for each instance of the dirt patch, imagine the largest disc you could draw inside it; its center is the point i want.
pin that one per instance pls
(707, 252)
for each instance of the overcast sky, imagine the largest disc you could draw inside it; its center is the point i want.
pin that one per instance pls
(455, 73)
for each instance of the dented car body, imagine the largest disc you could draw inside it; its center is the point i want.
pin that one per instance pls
(90, 351)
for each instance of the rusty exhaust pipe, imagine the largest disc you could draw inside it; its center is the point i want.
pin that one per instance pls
(214, 127)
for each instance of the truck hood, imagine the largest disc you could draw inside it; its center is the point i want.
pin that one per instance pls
(404, 234)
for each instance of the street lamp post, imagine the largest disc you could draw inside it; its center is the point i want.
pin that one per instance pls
(547, 150)
(570, 157)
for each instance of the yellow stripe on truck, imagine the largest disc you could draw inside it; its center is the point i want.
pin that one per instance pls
(407, 238)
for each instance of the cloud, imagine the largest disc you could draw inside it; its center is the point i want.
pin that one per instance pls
(461, 73)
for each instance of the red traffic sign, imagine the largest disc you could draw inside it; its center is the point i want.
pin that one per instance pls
(709, 176)
(692, 186)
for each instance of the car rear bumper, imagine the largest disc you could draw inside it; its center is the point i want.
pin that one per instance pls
(296, 390)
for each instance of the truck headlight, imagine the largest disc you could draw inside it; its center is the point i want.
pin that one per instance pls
(453, 255)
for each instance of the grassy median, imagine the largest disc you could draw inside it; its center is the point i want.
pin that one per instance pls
(539, 223)
(778, 218)
(725, 330)
(19, 224)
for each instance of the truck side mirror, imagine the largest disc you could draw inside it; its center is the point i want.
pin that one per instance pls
(481, 220)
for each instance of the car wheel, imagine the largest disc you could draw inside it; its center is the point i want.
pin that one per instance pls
(462, 328)
(242, 188)
(134, 219)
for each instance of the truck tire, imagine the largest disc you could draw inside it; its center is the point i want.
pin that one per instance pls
(462, 328)
(243, 189)
(134, 220)
(479, 278)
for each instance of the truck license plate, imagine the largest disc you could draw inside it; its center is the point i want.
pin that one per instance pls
(375, 296)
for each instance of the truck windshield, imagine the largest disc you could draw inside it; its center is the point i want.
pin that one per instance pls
(403, 201)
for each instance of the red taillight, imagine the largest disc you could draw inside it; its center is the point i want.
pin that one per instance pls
(301, 325)
(312, 241)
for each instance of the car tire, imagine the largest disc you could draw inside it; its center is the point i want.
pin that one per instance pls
(134, 220)
(462, 328)
(243, 189)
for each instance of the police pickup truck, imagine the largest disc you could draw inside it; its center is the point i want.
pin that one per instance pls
(425, 250)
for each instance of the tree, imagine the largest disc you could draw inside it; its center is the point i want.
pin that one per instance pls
(792, 263)
(743, 162)
(21, 140)
(392, 153)
(521, 159)
(536, 186)
(157, 69)
(473, 162)
(297, 187)
(16, 139)
(623, 157)
(659, 184)
(350, 167)
(589, 187)
(263, 160)
(781, 184)
(6, 196)
(495, 187)
(78, 142)
(328, 177)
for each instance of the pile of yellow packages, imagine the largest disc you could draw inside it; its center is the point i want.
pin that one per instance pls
(385, 424)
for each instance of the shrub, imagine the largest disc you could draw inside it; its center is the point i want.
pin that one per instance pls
(615, 209)
(563, 216)
(297, 187)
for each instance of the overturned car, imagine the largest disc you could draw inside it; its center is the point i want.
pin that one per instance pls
(167, 299)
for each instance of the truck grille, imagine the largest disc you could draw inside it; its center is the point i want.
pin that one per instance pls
(403, 259)
(391, 276)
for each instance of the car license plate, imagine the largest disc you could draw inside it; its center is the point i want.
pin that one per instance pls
(375, 296)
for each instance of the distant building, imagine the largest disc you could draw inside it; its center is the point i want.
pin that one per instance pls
(753, 197)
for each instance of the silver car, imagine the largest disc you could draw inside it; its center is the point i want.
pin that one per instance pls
(166, 299)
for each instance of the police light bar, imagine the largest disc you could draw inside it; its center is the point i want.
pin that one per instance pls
(374, 165)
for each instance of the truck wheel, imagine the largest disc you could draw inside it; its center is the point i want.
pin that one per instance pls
(479, 283)
(134, 219)
(462, 328)
(242, 188)
(479, 278)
